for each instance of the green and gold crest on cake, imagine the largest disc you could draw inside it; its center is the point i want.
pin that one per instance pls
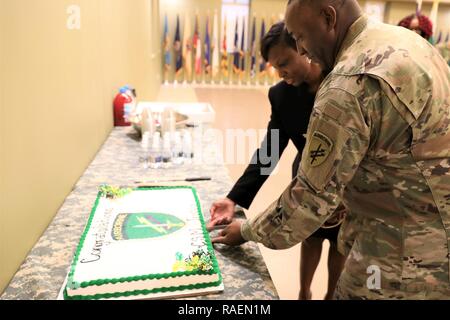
(129, 226)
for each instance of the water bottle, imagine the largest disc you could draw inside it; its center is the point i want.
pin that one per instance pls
(168, 121)
(177, 148)
(148, 123)
(144, 149)
(155, 157)
(188, 153)
(166, 151)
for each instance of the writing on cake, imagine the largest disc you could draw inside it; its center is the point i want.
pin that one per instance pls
(99, 239)
(196, 232)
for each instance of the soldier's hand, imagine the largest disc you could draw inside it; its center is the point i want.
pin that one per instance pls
(231, 235)
(222, 212)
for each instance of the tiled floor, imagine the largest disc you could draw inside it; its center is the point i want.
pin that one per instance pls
(250, 109)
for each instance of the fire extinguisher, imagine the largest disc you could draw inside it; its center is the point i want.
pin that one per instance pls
(121, 101)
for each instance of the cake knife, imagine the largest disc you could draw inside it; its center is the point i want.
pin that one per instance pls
(177, 180)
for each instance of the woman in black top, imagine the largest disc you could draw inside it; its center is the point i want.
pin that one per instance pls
(292, 101)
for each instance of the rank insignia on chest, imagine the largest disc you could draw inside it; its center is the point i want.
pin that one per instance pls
(319, 149)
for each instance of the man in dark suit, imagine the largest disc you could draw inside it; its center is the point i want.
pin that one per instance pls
(292, 101)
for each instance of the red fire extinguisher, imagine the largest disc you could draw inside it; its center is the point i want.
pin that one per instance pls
(120, 101)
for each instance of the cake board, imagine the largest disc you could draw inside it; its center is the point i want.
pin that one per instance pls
(161, 295)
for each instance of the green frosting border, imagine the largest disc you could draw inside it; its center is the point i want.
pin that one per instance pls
(74, 285)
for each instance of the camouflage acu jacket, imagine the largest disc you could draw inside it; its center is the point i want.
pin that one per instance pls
(379, 140)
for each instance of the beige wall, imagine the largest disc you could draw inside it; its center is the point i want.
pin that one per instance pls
(4, 276)
(268, 9)
(56, 91)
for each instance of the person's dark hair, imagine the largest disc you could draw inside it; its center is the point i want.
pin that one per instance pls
(276, 35)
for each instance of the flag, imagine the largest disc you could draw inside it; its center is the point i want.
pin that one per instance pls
(177, 48)
(273, 74)
(198, 48)
(253, 49)
(187, 48)
(215, 47)
(236, 49)
(224, 54)
(262, 62)
(242, 52)
(166, 40)
(207, 48)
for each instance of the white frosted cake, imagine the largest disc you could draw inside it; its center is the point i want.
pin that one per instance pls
(145, 241)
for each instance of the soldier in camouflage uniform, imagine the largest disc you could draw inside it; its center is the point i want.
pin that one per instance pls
(379, 140)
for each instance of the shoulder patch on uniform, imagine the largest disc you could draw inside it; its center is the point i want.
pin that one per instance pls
(319, 149)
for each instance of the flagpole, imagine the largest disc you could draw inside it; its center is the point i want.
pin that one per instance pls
(242, 52)
(207, 59)
(224, 54)
(167, 56)
(187, 49)
(215, 49)
(253, 51)
(262, 62)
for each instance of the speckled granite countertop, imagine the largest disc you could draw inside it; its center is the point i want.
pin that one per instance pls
(117, 163)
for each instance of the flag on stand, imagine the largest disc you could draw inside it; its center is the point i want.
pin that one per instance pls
(166, 46)
(215, 47)
(271, 70)
(198, 48)
(207, 48)
(224, 52)
(187, 48)
(253, 49)
(177, 48)
(242, 52)
(236, 53)
(262, 62)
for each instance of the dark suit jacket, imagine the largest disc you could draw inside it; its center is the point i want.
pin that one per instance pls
(291, 110)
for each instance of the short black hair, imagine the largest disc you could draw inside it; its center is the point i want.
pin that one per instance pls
(276, 35)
